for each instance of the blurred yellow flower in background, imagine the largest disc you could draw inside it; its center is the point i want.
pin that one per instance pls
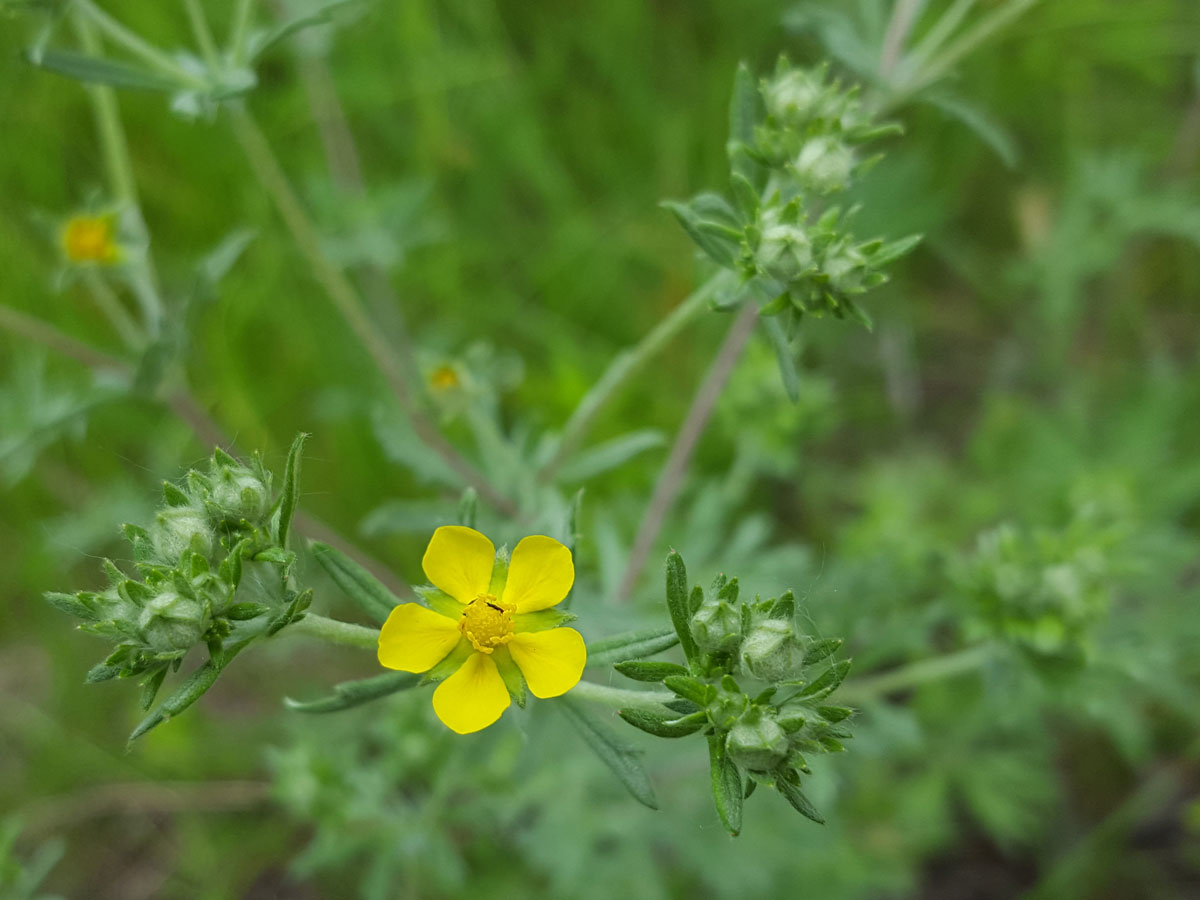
(91, 239)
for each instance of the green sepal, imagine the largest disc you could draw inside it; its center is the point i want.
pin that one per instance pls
(71, 604)
(468, 507)
(678, 605)
(639, 670)
(356, 582)
(623, 760)
(451, 663)
(820, 650)
(827, 682)
(293, 612)
(349, 694)
(835, 713)
(541, 620)
(499, 573)
(439, 601)
(727, 787)
(150, 687)
(174, 495)
(230, 570)
(799, 802)
(510, 674)
(664, 726)
(242, 612)
(101, 672)
(634, 645)
(721, 250)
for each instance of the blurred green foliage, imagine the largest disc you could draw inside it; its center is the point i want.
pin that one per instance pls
(1020, 429)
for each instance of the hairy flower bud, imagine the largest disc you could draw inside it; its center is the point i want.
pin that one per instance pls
(785, 251)
(771, 651)
(717, 625)
(794, 97)
(240, 494)
(172, 622)
(757, 742)
(825, 163)
(179, 529)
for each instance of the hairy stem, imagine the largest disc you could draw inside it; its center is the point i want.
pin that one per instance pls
(671, 479)
(626, 364)
(621, 698)
(916, 674)
(202, 33)
(335, 632)
(121, 182)
(904, 17)
(240, 31)
(345, 298)
(110, 304)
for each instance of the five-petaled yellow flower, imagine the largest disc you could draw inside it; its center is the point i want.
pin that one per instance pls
(490, 625)
(91, 239)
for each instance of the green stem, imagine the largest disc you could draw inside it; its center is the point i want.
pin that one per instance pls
(916, 674)
(626, 364)
(110, 304)
(148, 53)
(335, 632)
(620, 698)
(119, 164)
(240, 31)
(345, 298)
(203, 34)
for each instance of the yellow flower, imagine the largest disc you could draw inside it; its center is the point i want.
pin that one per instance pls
(444, 378)
(490, 628)
(91, 239)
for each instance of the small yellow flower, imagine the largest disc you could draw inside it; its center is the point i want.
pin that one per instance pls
(91, 239)
(483, 626)
(444, 378)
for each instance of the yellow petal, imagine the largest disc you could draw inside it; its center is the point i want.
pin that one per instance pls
(539, 575)
(551, 661)
(473, 697)
(415, 639)
(459, 561)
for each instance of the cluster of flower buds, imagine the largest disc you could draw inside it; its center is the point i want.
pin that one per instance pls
(212, 564)
(1043, 591)
(796, 140)
(754, 685)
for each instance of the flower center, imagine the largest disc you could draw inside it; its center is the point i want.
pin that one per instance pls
(487, 622)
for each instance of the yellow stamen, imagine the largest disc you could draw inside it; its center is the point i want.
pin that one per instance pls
(487, 622)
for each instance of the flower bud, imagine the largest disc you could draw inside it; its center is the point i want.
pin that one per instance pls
(794, 97)
(240, 494)
(846, 269)
(177, 529)
(171, 622)
(757, 742)
(771, 651)
(785, 251)
(717, 626)
(825, 164)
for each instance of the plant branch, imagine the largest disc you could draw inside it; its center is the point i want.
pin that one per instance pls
(202, 33)
(240, 31)
(675, 468)
(625, 365)
(335, 632)
(621, 698)
(345, 298)
(913, 675)
(904, 17)
(148, 53)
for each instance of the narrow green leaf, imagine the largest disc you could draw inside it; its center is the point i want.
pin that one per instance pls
(827, 682)
(190, 691)
(542, 620)
(71, 605)
(664, 726)
(356, 582)
(95, 70)
(622, 759)
(799, 802)
(677, 604)
(639, 670)
(634, 645)
(727, 788)
(785, 356)
(101, 672)
(822, 649)
(743, 106)
(609, 455)
(699, 692)
(291, 490)
(349, 694)
(468, 507)
(721, 251)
